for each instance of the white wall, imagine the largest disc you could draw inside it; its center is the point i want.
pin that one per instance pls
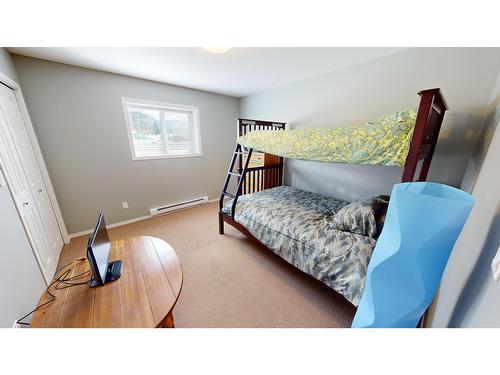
(489, 125)
(363, 92)
(468, 296)
(6, 65)
(21, 282)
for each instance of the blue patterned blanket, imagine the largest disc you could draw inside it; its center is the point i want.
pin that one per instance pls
(294, 224)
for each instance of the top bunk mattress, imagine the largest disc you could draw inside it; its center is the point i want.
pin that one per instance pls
(295, 225)
(385, 141)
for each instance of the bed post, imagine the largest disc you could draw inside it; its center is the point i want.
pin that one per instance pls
(440, 108)
(425, 134)
(221, 223)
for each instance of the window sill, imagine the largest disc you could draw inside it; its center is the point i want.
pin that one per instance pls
(136, 158)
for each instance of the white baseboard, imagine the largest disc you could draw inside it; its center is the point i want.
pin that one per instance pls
(140, 218)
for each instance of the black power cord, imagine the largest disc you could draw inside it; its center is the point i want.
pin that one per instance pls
(60, 279)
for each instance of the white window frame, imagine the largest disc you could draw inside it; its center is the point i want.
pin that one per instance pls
(154, 104)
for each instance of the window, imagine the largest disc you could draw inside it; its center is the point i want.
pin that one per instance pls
(162, 130)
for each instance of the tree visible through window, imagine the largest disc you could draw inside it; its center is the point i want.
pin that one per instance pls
(159, 130)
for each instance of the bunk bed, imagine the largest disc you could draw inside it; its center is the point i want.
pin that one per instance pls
(303, 227)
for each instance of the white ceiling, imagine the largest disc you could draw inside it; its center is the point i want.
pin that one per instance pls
(239, 72)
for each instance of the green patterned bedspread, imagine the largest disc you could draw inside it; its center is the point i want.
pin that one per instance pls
(294, 224)
(385, 141)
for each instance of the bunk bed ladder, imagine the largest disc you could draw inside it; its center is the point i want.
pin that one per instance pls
(238, 154)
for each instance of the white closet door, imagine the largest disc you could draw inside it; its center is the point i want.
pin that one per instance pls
(27, 184)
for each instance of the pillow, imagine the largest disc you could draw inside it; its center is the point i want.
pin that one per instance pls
(362, 216)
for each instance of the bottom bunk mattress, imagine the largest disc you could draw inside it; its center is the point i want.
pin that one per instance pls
(295, 225)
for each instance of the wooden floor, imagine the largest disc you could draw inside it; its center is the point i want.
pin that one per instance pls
(230, 281)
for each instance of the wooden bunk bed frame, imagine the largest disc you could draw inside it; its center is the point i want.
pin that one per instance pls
(430, 116)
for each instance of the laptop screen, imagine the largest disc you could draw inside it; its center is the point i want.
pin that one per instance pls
(99, 245)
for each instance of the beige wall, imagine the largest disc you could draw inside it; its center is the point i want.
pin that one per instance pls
(78, 118)
(363, 92)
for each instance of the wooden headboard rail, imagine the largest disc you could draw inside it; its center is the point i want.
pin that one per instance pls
(247, 125)
(425, 134)
(271, 174)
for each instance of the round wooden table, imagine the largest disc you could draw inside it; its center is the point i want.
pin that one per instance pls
(143, 296)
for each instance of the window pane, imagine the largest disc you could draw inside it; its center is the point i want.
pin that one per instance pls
(178, 128)
(158, 131)
(146, 131)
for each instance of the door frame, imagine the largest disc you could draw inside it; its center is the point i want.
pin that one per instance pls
(38, 153)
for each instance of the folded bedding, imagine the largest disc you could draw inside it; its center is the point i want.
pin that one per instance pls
(363, 216)
(385, 141)
(297, 225)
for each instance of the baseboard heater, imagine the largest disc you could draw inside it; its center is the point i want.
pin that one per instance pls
(177, 206)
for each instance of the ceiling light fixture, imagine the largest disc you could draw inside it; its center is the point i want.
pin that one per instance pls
(218, 50)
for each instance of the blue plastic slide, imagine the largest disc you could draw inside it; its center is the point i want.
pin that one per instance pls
(423, 222)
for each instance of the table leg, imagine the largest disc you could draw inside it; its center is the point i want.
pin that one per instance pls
(168, 321)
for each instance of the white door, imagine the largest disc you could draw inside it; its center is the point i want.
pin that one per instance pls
(28, 188)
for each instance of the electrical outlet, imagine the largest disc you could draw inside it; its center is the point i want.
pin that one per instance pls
(124, 205)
